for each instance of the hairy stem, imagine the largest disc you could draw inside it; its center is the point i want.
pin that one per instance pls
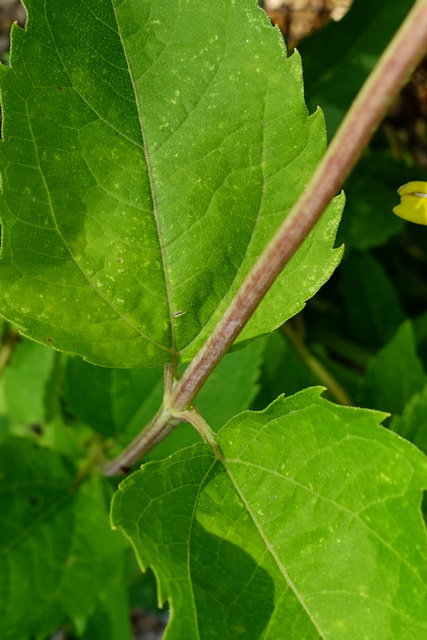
(400, 58)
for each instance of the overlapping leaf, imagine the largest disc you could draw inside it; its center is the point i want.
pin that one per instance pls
(151, 148)
(306, 525)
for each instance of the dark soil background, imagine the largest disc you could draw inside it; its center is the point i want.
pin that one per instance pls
(10, 11)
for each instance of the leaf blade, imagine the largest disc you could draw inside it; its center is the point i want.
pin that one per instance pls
(307, 541)
(143, 214)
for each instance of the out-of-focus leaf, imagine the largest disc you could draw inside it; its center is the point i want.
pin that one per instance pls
(412, 425)
(371, 194)
(420, 331)
(372, 308)
(110, 620)
(142, 586)
(267, 544)
(25, 382)
(57, 552)
(282, 371)
(348, 376)
(395, 374)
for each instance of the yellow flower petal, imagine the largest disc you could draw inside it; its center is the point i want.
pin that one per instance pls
(413, 204)
(416, 187)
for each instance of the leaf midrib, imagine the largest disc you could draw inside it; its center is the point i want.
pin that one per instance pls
(152, 189)
(320, 496)
(225, 461)
(270, 549)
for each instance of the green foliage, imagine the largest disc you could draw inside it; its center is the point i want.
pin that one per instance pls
(58, 554)
(371, 305)
(150, 168)
(150, 150)
(264, 540)
(26, 380)
(412, 425)
(110, 620)
(395, 374)
(282, 371)
(368, 223)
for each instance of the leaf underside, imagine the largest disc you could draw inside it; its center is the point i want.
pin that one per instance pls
(307, 527)
(150, 150)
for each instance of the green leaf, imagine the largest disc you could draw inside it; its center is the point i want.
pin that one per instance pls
(93, 391)
(395, 374)
(339, 58)
(372, 308)
(25, 382)
(285, 371)
(307, 525)
(407, 267)
(150, 151)
(420, 332)
(57, 552)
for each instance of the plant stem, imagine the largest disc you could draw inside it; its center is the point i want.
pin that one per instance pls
(399, 59)
(193, 417)
(155, 431)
